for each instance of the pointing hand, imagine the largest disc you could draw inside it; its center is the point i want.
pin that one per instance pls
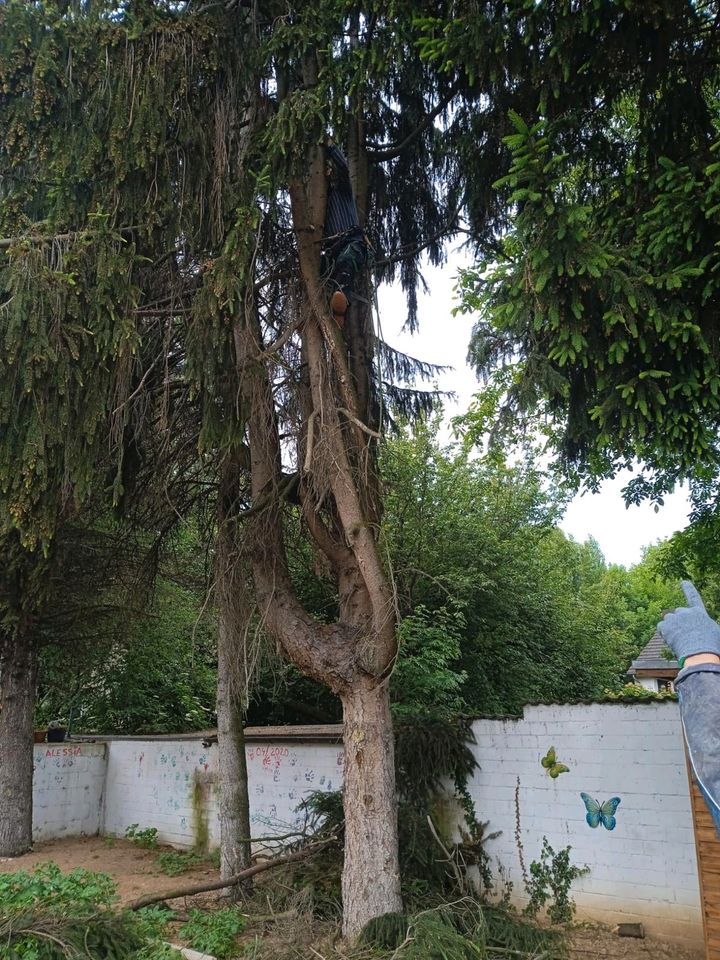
(689, 630)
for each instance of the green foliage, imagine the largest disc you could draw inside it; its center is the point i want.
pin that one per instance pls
(147, 838)
(385, 932)
(152, 921)
(426, 680)
(599, 308)
(483, 578)
(636, 691)
(430, 751)
(428, 754)
(173, 863)
(549, 884)
(214, 932)
(48, 915)
(507, 603)
(42, 936)
(434, 938)
(499, 607)
(157, 951)
(510, 933)
(141, 629)
(462, 930)
(157, 677)
(48, 886)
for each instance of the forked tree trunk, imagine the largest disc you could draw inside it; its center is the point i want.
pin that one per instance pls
(18, 674)
(371, 872)
(234, 804)
(336, 489)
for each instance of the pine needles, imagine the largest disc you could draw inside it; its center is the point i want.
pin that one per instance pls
(48, 936)
(463, 930)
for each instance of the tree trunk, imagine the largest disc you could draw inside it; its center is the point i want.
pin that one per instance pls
(18, 674)
(371, 871)
(335, 460)
(234, 809)
(233, 614)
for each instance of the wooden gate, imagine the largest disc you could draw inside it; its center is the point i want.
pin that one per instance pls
(707, 845)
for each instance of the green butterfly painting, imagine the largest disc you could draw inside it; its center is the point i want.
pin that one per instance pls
(550, 762)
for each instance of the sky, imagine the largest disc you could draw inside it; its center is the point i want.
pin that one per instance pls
(621, 532)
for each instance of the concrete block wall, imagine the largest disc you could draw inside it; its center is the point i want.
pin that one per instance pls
(645, 869)
(68, 785)
(172, 785)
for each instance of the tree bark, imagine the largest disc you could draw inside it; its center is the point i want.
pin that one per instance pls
(233, 613)
(234, 805)
(371, 870)
(371, 875)
(339, 495)
(18, 676)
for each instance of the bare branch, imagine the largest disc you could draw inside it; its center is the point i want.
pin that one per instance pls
(193, 889)
(360, 424)
(406, 253)
(394, 150)
(6, 242)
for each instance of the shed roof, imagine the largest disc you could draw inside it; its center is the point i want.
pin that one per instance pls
(317, 731)
(651, 657)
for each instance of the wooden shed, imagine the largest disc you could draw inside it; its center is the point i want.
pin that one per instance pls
(651, 668)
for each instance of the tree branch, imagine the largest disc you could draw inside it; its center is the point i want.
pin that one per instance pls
(379, 155)
(414, 249)
(6, 242)
(360, 424)
(193, 889)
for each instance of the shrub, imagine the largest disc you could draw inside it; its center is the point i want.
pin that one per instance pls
(214, 932)
(147, 838)
(550, 880)
(173, 863)
(51, 915)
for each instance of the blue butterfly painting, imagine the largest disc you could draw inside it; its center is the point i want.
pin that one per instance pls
(601, 813)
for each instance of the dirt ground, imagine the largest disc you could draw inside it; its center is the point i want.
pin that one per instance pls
(597, 943)
(136, 872)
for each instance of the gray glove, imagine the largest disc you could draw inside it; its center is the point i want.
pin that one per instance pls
(689, 630)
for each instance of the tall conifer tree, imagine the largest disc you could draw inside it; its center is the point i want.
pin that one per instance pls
(163, 167)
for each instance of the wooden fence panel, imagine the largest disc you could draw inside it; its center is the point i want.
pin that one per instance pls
(707, 844)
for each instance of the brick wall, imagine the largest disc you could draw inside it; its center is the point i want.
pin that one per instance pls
(172, 785)
(68, 784)
(643, 870)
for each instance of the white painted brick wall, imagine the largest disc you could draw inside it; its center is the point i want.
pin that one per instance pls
(151, 783)
(68, 783)
(645, 869)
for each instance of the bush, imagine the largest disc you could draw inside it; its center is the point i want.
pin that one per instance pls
(51, 915)
(550, 880)
(214, 932)
(147, 838)
(172, 863)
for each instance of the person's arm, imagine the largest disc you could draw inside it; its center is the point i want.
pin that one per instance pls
(695, 639)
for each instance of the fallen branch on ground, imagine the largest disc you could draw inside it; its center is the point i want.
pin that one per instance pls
(193, 889)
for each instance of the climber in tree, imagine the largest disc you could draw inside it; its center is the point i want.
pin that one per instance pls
(695, 640)
(345, 247)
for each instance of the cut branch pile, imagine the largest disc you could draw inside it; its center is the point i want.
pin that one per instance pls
(191, 890)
